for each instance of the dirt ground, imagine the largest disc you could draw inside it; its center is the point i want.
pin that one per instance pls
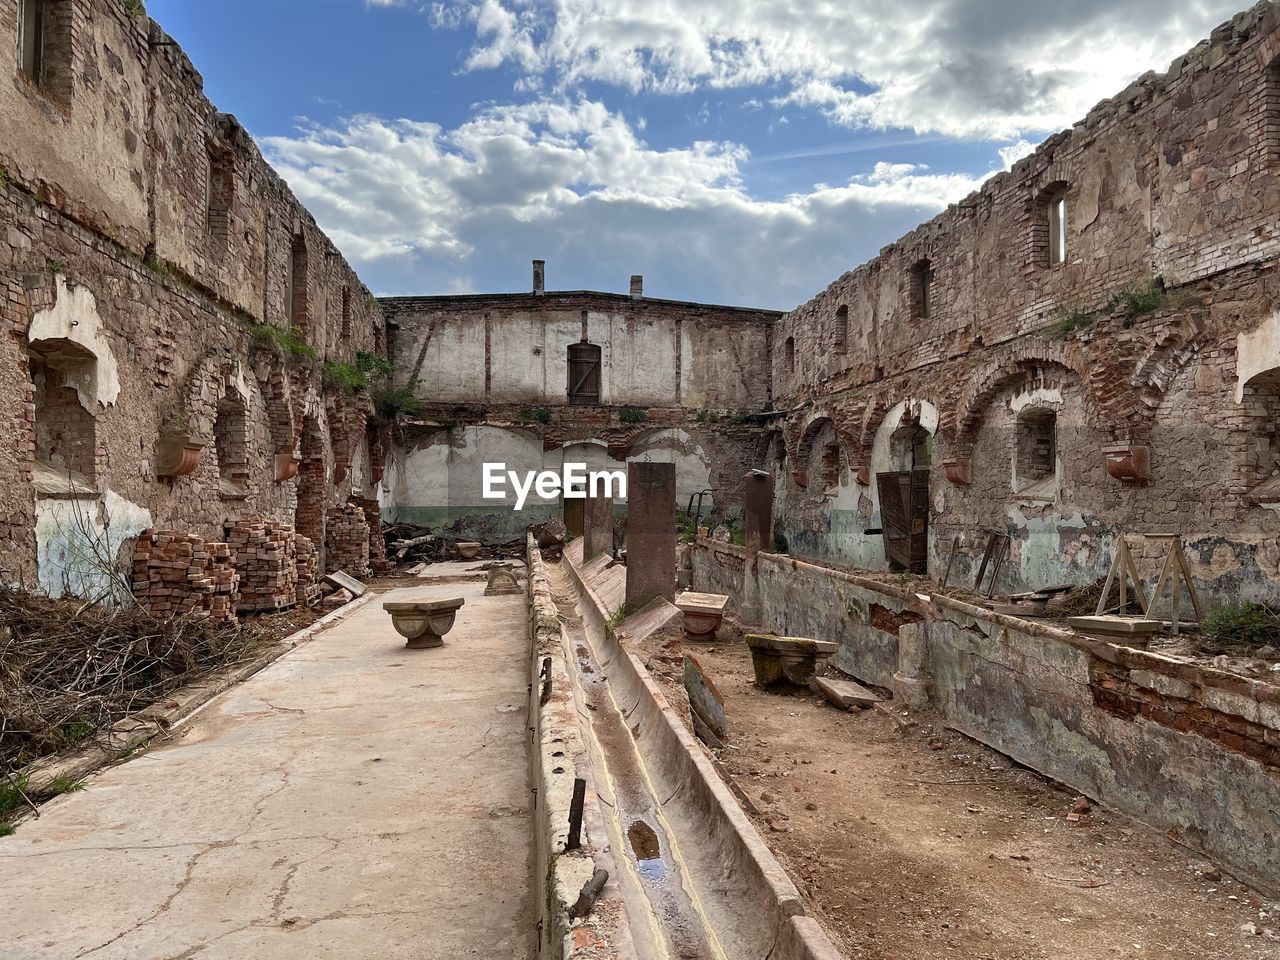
(913, 842)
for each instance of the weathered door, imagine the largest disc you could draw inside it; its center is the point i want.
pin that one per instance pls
(904, 517)
(574, 515)
(584, 373)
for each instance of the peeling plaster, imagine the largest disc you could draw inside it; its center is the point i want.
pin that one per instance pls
(1257, 352)
(74, 319)
(77, 537)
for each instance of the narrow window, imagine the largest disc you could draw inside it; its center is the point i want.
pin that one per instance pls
(231, 443)
(66, 435)
(841, 340)
(1271, 115)
(346, 313)
(220, 187)
(44, 45)
(299, 315)
(584, 374)
(1058, 229)
(31, 39)
(1036, 467)
(789, 353)
(921, 290)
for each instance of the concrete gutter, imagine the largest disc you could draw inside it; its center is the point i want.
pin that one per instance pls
(134, 732)
(749, 901)
(559, 757)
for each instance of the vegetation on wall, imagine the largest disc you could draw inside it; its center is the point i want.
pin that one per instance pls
(632, 415)
(538, 415)
(1127, 303)
(362, 376)
(287, 343)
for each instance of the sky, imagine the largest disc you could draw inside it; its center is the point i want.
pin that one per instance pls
(731, 151)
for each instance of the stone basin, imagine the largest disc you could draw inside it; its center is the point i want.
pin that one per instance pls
(703, 614)
(502, 581)
(468, 550)
(794, 660)
(423, 622)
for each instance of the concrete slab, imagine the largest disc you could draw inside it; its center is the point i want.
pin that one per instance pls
(846, 693)
(354, 799)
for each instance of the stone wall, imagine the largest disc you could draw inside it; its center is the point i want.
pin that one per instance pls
(1153, 344)
(168, 308)
(1191, 750)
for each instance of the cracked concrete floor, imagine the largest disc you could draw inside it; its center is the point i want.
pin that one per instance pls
(354, 799)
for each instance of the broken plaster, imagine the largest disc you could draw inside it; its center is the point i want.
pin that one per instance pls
(73, 319)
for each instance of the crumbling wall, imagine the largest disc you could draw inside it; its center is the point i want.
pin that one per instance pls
(514, 349)
(1149, 331)
(1188, 749)
(150, 262)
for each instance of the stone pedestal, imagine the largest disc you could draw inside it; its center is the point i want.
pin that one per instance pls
(758, 511)
(651, 533)
(910, 684)
(424, 622)
(502, 581)
(597, 528)
(795, 660)
(703, 614)
(468, 550)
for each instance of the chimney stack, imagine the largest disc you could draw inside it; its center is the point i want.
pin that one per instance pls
(539, 277)
(637, 286)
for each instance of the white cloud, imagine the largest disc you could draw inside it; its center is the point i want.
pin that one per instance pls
(1015, 151)
(573, 182)
(972, 68)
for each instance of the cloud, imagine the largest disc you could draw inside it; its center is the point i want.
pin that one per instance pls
(573, 182)
(971, 68)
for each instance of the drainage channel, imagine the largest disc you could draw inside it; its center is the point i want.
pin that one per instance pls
(654, 882)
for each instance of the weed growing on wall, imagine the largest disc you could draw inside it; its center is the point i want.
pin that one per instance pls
(632, 415)
(1251, 623)
(538, 415)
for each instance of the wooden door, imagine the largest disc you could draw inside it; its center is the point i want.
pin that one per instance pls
(584, 374)
(904, 518)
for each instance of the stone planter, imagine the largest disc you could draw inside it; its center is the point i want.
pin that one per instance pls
(958, 471)
(286, 465)
(424, 622)
(794, 660)
(467, 550)
(1128, 462)
(177, 455)
(703, 614)
(861, 475)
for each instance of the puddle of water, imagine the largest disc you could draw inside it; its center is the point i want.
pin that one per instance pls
(644, 843)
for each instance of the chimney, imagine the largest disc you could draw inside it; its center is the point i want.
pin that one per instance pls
(637, 286)
(539, 277)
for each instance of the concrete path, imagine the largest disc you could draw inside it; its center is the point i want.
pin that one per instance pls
(355, 799)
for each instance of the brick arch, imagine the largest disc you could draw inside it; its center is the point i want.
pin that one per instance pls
(1159, 367)
(814, 426)
(988, 380)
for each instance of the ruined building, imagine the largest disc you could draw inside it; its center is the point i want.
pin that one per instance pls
(1085, 346)
(170, 310)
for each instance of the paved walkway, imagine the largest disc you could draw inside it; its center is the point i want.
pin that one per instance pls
(355, 799)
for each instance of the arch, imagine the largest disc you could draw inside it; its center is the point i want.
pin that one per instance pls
(1022, 361)
(1160, 366)
(819, 455)
(231, 443)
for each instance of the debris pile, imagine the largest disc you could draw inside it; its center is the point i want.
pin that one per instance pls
(68, 669)
(266, 557)
(182, 573)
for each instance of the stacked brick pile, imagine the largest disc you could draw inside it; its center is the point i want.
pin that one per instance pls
(378, 561)
(347, 540)
(266, 557)
(182, 573)
(307, 563)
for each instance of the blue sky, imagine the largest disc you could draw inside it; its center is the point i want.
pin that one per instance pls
(744, 151)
